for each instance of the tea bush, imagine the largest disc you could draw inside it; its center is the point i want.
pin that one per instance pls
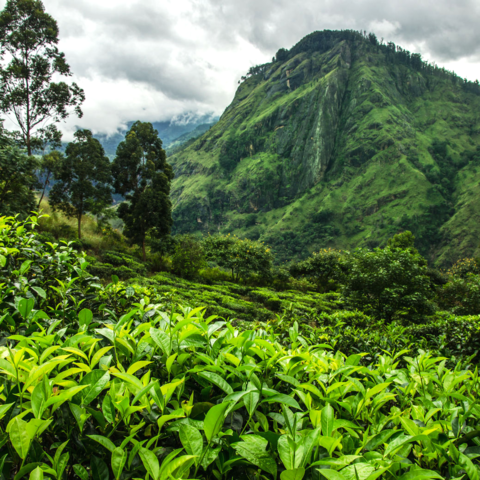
(119, 382)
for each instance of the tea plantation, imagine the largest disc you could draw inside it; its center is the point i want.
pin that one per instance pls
(163, 378)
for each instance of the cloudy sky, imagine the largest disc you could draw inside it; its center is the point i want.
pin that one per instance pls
(157, 59)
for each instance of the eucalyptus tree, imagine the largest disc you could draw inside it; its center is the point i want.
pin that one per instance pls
(31, 61)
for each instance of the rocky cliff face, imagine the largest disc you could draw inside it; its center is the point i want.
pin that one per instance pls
(341, 143)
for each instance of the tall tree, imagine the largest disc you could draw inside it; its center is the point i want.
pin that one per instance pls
(29, 38)
(17, 178)
(83, 179)
(141, 173)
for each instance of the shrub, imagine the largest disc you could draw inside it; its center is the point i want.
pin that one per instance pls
(241, 257)
(465, 266)
(389, 283)
(323, 267)
(188, 258)
(461, 295)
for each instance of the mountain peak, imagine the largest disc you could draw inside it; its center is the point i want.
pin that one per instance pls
(340, 141)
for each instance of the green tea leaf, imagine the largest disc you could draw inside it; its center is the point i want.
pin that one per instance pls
(162, 340)
(332, 475)
(328, 418)
(214, 420)
(37, 474)
(119, 458)
(251, 401)
(4, 409)
(379, 439)
(150, 462)
(191, 439)
(25, 306)
(419, 474)
(108, 409)
(96, 381)
(176, 467)
(41, 292)
(19, 437)
(99, 469)
(287, 454)
(80, 472)
(469, 467)
(284, 399)
(216, 380)
(85, 317)
(295, 474)
(104, 441)
(258, 456)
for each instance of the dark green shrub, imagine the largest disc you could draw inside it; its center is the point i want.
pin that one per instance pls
(389, 283)
(241, 257)
(461, 295)
(323, 267)
(465, 266)
(189, 257)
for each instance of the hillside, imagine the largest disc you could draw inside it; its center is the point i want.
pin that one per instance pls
(340, 142)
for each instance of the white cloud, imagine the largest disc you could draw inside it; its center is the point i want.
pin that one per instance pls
(384, 28)
(156, 59)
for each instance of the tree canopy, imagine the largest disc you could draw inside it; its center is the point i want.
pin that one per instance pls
(29, 37)
(83, 179)
(18, 178)
(142, 175)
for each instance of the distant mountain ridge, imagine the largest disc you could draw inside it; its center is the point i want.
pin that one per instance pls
(175, 131)
(340, 142)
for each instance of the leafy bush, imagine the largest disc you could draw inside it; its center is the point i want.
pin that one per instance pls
(323, 267)
(465, 266)
(188, 257)
(389, 283)
(241, 257)
(461, 295)
(132, 389)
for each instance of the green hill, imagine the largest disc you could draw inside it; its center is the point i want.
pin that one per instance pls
(340, 142)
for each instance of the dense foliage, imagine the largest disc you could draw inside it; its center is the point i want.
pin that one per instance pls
(117, 382)
(18, 178)
(83, 179)
(142, 174)
(241, 256)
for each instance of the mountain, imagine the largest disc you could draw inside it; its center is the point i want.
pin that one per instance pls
(339, 142)
(199, 130)
(173, 132)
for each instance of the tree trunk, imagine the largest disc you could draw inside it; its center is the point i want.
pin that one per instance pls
(79, 225)
(143, 250)
(44, 188)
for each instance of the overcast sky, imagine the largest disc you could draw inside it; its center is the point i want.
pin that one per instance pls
(158, 59)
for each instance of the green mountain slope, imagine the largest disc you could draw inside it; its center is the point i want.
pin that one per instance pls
(340, 142)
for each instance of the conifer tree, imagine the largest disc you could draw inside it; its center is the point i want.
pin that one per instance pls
(142, 175)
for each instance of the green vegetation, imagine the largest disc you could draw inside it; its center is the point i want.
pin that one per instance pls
(118, 381)
(148, 356)
(83, 179)
(340, 142)
(142, 174)
(30, 37)
(18, 178)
